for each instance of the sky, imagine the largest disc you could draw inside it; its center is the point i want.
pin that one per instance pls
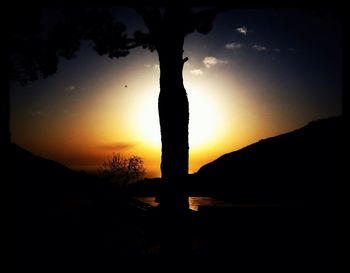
(257, 74)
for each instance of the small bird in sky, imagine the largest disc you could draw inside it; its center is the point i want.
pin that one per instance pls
(125, 86)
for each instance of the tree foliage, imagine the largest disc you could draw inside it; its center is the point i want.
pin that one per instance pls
(35, 48)
(122, 170)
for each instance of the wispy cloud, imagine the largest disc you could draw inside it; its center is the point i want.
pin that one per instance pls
(259, 48)
(291, 49)
(234, 46)
(70, 88)
(117, 146)
(211, 61)
(277, 50)
(155, 66)
(197, 72)
(243, 30)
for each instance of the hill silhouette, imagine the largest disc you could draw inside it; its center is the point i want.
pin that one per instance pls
(44, 179)
(284, 193)
(68, 221)
(302, 165)
(291, 180)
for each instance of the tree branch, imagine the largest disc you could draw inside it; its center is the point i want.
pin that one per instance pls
(152, 18)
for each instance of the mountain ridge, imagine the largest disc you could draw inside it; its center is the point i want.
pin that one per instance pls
(308, 125)
(305, 154)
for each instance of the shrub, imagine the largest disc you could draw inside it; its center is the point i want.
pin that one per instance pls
(122, 170)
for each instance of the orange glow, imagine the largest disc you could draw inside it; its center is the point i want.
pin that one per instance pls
(120, 115)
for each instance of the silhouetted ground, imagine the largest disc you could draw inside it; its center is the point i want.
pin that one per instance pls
(72, 222)
(300, 165)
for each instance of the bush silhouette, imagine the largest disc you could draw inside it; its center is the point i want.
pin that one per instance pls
(122, 170)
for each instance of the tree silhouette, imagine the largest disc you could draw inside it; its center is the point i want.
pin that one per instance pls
(35, 54)
(122, 170)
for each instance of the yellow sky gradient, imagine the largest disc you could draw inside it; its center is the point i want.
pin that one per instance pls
(118, 113)
(272, 82)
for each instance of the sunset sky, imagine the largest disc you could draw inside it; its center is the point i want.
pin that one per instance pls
(257, 74)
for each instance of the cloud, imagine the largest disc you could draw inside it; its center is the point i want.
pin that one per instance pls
(259, 48)
(243, 30)
(277, 50)
(234, 46)
(291, 49)
(154, 66)
(117, 146)
(197, 72)
(211, 61)
(70, 88)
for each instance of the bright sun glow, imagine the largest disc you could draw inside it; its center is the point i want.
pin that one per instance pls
(203, 119)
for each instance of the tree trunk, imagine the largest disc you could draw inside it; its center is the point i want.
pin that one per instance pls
(174, 117)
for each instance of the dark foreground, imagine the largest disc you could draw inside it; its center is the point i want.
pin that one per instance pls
(127, 236)
(71, 222)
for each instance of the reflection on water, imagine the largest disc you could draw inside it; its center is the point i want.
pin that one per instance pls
(194, 201)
